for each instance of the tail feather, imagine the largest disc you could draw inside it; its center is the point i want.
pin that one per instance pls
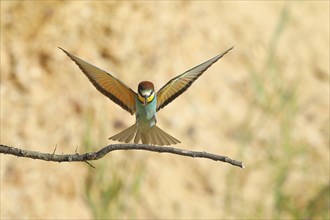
(126, 135)
(153, 138)
(161, 137)
(137, 136)
(130, 134)
(168, 139)
(154, 135)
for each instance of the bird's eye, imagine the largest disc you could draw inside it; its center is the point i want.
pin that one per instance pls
(141, 98)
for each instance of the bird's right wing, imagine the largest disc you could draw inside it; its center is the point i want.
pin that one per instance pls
(107, 84)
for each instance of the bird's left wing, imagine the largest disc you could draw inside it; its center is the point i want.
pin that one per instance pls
(107, 84)
(181, 83)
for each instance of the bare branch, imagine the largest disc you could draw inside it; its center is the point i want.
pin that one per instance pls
(101, 153)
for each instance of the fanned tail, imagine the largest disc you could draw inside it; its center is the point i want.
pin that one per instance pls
(159, 137)
(126, 135)
(153, 135)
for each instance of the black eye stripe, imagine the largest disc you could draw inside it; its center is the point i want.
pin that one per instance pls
(150, 93)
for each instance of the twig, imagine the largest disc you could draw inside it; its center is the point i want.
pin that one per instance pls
(89, 164)
(55, 149)
(101, 153)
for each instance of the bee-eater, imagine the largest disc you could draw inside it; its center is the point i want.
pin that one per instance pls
(145, 103)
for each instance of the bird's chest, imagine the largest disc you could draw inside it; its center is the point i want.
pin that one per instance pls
(146, 113)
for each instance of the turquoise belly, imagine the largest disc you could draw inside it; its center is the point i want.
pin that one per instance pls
(146, 114)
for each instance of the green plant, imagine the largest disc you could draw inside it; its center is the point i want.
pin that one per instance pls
(111, 186)
(274, 101)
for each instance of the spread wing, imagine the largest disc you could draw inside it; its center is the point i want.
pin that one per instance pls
(108, 85)
(181, 83)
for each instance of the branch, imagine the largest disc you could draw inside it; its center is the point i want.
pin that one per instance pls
(112, 147)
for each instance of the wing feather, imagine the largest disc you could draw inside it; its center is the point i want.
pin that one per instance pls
(176, 86)
(107, 84)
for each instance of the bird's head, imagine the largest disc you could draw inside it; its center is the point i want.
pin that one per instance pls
(146, 92)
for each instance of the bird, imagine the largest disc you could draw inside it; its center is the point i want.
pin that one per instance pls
(144, 103)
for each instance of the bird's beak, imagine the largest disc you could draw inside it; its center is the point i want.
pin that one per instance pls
(144, 101)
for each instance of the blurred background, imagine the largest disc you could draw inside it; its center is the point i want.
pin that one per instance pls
(266, 103)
